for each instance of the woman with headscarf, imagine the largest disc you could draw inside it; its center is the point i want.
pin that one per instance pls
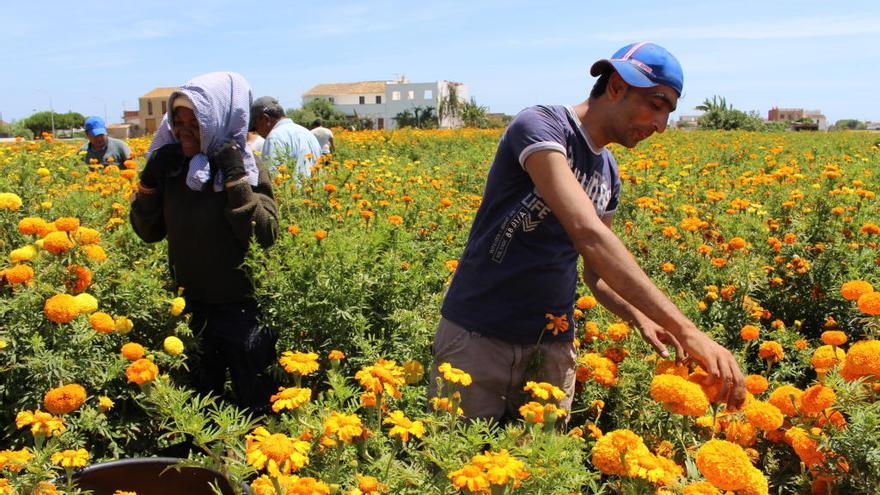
(202, 190)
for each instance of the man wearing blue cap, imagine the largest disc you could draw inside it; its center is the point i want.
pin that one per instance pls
(550, 197)
(101, 147)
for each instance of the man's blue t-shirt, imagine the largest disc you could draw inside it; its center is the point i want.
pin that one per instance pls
(519, 264)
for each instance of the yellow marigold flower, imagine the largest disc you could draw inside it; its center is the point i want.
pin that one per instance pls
(64, 399)
(445, 404)
(817, 398)
(290, 398)
(18, 274)
(102, 322)
(618, 452)
(123, 324)
(86, 236)
(833, 337)
(586, 302)
(679, 395)
(862, 360)
(57, 243)
(86, 303)
(787, 398)
(724, 464)
(771, 351)
(854, 289)
(756, 384)
(454, 375)
(276, 453)
(403, 427)
(749, 332)
(14, 460)
(94, 252)
(670, 367)
(344, 427)
(71, 458)
(173, 345)
(300, 363)
(544, 391)
(870, 303)
(123, 492)
(597, 367)
(141, 371)
(501, 468)
(105, 403)
(41, 423)
(763, 415)
(46, 488)
(10, 201)
(470, 478)
(61, 308)
(178, 304)
(133, 351)
(21, 254)
(617, 331)
(413, 372)
(826, 357)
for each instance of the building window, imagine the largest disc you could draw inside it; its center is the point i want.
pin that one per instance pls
(395, 95)
(429, 95)
(149, 108)
(164, 106)
(378, 99)
(362, 99)
(410, 95)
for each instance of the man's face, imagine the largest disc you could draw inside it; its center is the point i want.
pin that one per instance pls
(263, 125)
(186, 130)
(643, 111)
(98, 142)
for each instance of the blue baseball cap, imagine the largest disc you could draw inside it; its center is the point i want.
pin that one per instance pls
(95, 126)
(643, 65)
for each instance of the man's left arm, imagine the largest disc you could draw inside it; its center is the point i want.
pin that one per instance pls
(651, 332)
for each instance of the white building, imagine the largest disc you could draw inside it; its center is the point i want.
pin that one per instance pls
(380, 101)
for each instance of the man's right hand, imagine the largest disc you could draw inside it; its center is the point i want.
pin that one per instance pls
(162, 161)
(719, 363)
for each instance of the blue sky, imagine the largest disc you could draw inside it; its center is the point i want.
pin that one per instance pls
(88, 56)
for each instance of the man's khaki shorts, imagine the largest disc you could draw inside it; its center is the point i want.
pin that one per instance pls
(499, 370)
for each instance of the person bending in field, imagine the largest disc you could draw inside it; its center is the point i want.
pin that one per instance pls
(550, 197)
(203, 191)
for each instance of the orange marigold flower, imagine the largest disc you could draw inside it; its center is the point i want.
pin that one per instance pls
(61, 308)
(870, 303)
(597, 367)
(320, 235)
(19, 274)
(736, 243)
(41, 423)
(724, 464)
(679, 395)
(741, 433)
(336, 355)
(667, 267)
(870, 228)
(862, 360)
(834, 337)
(756, 384)
(32, 226)
(81, 279)
(586, 302)
(763, 415)
(618, 452)
(771, 350)
(67, 224)
(57, 242)
(141, 371)
(701, 488)
(293, 229)
(854, 289)
(826, 357)
(64, 399)
(787, 398)
(395, 219)
(719, 262)
(749, 332)
(617, 331)
(817, 398)
(801, 344)
(557, 324)
(133, 351)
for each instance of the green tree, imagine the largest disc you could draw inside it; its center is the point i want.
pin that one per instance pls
(718, 114)
(318, 108)
(42, 121)
(850, 124)
(474, 114)
(418, 117)
(15, 128)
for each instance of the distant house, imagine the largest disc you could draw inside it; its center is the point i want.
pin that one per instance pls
(381, 101)
(794, 114)
(132, 118)
(152, 106)
(685, 122)
(872, 126)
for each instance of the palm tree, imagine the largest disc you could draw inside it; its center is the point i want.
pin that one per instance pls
(716, 103)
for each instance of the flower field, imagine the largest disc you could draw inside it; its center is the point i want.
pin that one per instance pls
(769, 242)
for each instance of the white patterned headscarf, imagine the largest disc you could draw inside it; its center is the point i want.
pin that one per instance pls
(222, 103)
